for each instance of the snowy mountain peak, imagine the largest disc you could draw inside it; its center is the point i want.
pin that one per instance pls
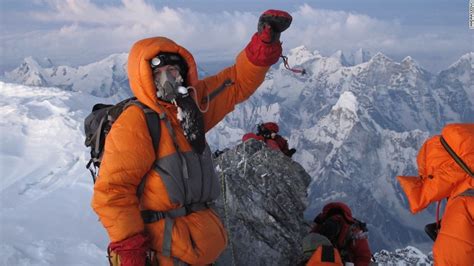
(336, 126)
(29, 72)
(410, 61)
(301, 55)
(379, 57)
(31, 61)
(38, 63)
(466, 60)
(412, 66)
(347, 101)
(459, 76)
(115, 59)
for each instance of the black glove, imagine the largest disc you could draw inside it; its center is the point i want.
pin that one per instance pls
(291, 152)
(272, 23)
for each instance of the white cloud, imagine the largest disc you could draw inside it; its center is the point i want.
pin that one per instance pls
(87, 31)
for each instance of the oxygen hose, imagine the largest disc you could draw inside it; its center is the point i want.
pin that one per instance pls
(196, 100)
(437, 215)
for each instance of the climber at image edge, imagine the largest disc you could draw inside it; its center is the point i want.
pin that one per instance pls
(169, 222)
(445, 171)
(268, 133)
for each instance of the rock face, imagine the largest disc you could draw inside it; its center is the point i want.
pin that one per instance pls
(263, 197)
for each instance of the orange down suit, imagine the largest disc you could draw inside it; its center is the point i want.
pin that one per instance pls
(441, 177)
(197, 238)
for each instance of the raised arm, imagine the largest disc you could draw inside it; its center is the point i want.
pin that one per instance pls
(235, 84)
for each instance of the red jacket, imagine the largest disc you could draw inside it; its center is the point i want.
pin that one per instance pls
(282, 144)
(278, 143)
(356, 250)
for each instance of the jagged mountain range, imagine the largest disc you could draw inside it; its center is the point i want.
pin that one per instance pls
(356, 122)
(106, 78)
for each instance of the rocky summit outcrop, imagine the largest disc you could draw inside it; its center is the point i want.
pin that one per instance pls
(262, 203)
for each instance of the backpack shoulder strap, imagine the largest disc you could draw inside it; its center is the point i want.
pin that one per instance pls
(153, 123)
(154, 129)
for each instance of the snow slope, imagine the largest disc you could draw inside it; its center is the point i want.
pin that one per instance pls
(45, 190)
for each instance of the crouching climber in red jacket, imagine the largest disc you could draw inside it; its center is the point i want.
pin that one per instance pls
(346, 233)
(268, 133)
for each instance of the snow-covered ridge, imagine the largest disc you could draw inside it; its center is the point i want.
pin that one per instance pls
(105, 78)
(45, 189)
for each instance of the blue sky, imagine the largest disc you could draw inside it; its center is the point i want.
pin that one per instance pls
(74, 32)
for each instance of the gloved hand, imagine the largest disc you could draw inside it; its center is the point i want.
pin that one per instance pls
(272, 23)
(291, 152)
(265, 48)
(129, 252)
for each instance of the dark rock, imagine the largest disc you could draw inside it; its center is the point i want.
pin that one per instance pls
(262, 202)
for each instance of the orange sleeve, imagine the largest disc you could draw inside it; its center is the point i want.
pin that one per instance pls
(228, 88)
(128, 156)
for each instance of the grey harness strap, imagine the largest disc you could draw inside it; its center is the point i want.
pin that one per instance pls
(150, 216)
(166, 249)
(184, 165)
(175, 142)
(154, 216)
(468, 193)
(169, 216)
(178, 262)
(154, 128)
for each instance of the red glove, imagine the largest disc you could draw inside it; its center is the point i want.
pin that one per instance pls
(129, 252)
(272, 23)
(265, 48)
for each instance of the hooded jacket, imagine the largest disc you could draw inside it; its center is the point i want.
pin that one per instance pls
(175, 175)
(357, 250)
(440, 177)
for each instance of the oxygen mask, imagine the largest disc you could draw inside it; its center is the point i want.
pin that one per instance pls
(168, 82)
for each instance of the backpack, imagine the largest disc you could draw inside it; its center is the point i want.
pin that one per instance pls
(341, 229)
(318, 250)
(99, 122)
